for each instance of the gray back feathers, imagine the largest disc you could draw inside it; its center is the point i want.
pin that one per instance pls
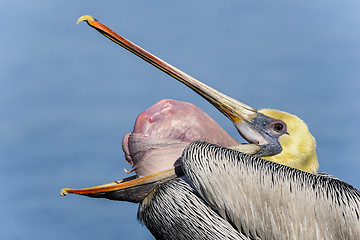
(175, 211)
(265, 200)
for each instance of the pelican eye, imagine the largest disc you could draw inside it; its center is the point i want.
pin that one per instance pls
(279, 127)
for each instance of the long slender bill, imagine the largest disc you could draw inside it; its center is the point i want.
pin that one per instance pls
(236, 111)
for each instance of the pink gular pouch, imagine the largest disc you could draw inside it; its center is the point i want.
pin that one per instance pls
(162, 132)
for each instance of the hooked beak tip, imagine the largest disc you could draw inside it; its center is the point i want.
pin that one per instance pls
(64, 192)
(86, 18)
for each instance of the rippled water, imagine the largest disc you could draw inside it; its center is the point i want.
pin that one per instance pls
(68, 95)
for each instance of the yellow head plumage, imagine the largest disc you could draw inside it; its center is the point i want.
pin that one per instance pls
(298, 146)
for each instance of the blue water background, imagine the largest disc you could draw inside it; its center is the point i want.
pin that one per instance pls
(68, 95)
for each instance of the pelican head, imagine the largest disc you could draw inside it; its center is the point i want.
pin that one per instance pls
(283, 138)
(271, 134)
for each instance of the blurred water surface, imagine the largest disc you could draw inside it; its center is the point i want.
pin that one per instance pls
(68, 95)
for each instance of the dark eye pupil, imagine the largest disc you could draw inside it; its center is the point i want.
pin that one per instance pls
(278, 127)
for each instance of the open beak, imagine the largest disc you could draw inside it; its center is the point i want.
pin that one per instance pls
(135, 189)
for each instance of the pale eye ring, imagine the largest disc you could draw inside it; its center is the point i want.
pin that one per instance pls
(278, 126)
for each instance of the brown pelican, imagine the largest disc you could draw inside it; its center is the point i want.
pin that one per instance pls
(266, 189)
